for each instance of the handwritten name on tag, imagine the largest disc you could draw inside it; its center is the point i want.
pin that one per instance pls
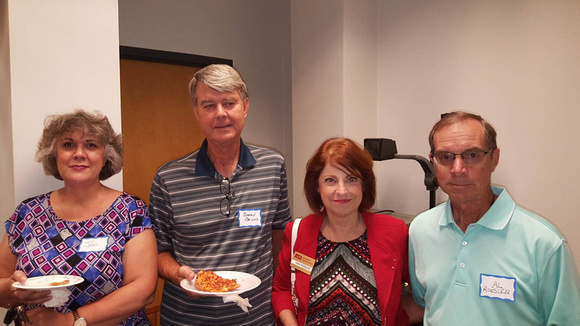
(302, 263)
(93, 244)
(497, 287)
(250, 217)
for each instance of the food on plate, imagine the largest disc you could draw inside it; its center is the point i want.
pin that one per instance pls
(209, 281)
(59, 283)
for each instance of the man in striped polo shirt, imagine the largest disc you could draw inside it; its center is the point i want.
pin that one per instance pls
(219, 208)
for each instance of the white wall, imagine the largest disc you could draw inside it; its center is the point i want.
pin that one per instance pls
(254, 34)
(64, 55)
(388, 69)
(334, 79)
(56, 55)
(516, 63)
(317, 84)
(6, 157)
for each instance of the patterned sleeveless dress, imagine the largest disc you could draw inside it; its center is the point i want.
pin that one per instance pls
(44, 244)
(343, 290)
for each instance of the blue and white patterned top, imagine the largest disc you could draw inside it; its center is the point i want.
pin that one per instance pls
(45, 244)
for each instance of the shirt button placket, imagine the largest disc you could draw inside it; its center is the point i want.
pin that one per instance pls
(463, 243)
(462, 260)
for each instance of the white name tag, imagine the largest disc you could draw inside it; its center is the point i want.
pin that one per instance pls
(93, 244)
(250, 217)
(497, 287)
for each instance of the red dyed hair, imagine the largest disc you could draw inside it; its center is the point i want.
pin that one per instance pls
(340, 153)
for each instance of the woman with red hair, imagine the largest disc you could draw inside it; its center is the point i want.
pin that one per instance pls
(348, 263)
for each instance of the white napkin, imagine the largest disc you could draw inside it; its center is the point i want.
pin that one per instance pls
(243, 303)
(59, 297)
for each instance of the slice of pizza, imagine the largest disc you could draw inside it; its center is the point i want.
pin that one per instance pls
(59, 283)
(209, 281)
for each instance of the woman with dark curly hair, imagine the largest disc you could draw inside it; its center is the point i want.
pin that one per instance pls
(83, 229)
(348, 263)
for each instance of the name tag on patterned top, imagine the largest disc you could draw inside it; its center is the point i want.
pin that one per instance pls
(497, 287)
(93, 244)
(250, 217)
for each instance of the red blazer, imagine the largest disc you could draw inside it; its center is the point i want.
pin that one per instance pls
(388, 244)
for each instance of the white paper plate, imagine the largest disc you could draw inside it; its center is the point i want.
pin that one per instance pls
(43, 282)
(247, 282)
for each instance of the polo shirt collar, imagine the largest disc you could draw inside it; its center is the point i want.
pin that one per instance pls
(496, 218)
(204, 166)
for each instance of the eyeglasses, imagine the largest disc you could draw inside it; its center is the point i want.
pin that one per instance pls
(225, 204)
(470, 157)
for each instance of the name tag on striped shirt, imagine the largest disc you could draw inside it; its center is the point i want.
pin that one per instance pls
(250, 217)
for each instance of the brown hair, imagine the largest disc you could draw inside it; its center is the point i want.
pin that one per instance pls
(340, 152)
(95, 124)
(448, 119)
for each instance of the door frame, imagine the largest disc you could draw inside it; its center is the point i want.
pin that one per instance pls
(175, 58)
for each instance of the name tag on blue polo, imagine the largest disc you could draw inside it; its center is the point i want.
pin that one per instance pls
(497, 287)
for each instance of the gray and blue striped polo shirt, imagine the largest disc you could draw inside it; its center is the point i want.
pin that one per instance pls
(185, 207)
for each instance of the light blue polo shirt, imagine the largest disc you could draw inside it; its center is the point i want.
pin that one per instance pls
(512, 267)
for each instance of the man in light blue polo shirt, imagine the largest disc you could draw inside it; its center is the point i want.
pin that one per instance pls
(479, 259)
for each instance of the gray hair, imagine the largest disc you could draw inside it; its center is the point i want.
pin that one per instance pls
(222, 78)
(95, 124)
(451, 118)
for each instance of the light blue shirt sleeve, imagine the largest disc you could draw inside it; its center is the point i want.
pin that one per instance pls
(560, 289)
(418, 290)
